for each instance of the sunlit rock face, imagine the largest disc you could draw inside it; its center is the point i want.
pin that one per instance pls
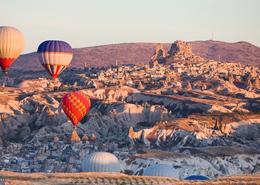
(158, 56)
(39, 84)
(180, 50)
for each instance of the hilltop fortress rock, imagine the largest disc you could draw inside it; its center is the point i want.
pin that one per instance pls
(159, 55)
(179, 51)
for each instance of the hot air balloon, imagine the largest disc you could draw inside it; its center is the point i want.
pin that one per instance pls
(197, 177)
(55, 56)
(11, 46)
(101, 162)
(75, 105)
(162, 170)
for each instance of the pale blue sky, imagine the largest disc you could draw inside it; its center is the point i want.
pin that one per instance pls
(94, 22)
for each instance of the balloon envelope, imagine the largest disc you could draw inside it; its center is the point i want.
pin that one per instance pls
(197, 177)
(101, 162)
(11, 46)
(162, 170)
(75, 105)
(55, 56)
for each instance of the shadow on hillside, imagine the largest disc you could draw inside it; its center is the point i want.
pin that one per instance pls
(176, 105)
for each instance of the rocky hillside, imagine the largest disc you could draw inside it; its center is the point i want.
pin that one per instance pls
(200, 116)
(243, 52)
(140, 53)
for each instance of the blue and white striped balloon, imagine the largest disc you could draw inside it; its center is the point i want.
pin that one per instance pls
(55, 56)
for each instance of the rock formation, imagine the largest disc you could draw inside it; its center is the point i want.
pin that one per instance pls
(201, 116)
(180, 50)
(158, 56)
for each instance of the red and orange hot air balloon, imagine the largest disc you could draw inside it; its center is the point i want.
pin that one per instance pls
(75, 105)
(11, 46)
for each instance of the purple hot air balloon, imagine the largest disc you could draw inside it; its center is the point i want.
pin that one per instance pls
(55, 56)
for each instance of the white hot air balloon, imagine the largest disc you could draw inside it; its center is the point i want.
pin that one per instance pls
(11, 46)
(162, 170)
(101, 162)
